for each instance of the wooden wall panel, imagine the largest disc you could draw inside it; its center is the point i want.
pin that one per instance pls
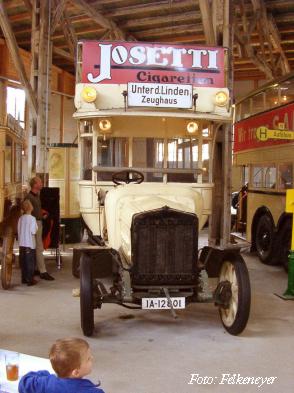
(67, 83)
(60, 80)
(54, 78)
(62, 129)
(54, 118)
(70, 124)
(7, 67)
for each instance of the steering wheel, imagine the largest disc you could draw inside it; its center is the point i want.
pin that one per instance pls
(123, 177)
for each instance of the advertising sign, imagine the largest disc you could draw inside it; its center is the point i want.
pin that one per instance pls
(160, 95)
(263, 134)
(123, 62)
(245, 131)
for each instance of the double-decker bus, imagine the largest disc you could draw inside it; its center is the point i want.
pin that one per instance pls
(264, 154)
(156, 115)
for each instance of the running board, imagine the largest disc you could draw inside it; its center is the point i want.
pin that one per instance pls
(240, 240)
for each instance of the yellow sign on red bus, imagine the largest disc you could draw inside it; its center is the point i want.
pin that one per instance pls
(263, 134)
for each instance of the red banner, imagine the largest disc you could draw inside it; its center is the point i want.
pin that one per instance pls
(122, 62)
(245, 130)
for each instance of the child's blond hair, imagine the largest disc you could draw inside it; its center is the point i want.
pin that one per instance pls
(66, 355)
(27, 206)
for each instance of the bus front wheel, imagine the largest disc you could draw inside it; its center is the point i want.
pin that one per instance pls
(86, 295)
(264, 240)
(234, 290)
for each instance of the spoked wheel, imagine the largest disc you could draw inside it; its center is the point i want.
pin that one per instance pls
(6, 263)
(6, 271)
(264, 241)
(234, 294)
(86, 295)
(127, 176)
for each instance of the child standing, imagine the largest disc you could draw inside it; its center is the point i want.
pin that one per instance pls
(27, 229)
(72, 360)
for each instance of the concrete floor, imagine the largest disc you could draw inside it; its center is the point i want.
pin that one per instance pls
(149, 351)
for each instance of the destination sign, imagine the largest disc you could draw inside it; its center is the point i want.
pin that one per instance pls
(160, 95)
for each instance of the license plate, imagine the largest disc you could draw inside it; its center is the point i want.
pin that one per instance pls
(162, 303)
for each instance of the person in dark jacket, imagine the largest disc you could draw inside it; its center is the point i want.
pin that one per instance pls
(72, 360)
(34, 197)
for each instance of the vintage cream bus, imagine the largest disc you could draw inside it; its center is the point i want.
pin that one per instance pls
(150, 114)
(169, 142)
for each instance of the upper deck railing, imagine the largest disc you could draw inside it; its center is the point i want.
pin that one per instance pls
(13, 124)
(270, 96)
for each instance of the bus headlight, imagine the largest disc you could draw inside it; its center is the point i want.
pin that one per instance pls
(192, 127)
(105, 125)
(221, 98)
(89, 94)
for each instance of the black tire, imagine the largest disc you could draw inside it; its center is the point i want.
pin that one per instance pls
(86, 296)
(284, 243)
(265, 241)
(235, 317)
(76, 262)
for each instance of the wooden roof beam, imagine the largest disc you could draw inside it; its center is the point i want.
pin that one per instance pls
(64, 54)
(263, 28)
(99, 18)
(28, 4)
(277, 42)
(57, 15)
(80, 32)
(221, 20)
(20, 17)
(12, 4)
(250, 51)
(69, 34)
(134, 23)
(16, 57)
(244, 39)
(272, 36)
(158, 6)
(206, 13)
(163, 31)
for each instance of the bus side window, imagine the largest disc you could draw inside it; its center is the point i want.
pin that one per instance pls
(86, 158)
(8, 159)
(111, 152)
(257, 175)
(258, 103)
(270, 177)
(285, 176)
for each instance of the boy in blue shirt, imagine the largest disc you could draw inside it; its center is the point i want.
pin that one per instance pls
(72, 360)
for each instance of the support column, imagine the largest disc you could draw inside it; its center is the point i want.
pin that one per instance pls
(227, 187)
(40, 81)
(3, 94)
(214, 235)
(220, 220)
